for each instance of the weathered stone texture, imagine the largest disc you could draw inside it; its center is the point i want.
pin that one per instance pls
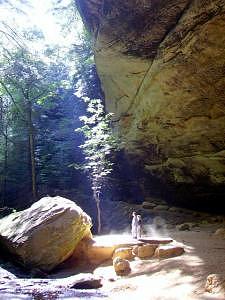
(162, 68)
(45, 234)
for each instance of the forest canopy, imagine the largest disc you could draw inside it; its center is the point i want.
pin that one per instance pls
(42, 86)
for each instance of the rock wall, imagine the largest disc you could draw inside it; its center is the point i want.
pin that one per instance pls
(162, 68)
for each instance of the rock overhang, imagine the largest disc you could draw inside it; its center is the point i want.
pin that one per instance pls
(161, 65)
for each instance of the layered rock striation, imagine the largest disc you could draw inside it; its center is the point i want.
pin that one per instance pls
(162, 68)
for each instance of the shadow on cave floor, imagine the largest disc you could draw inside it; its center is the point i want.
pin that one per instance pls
(170, 278)
(180, 277)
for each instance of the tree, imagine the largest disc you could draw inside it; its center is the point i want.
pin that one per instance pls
(42, 106)
(4, 139)
(99, 145)
(25, 82)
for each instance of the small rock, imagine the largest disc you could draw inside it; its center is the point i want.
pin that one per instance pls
(191, 225)
(220, 232)
(155, 200)
(145, 251)
(204, 222)
(215, 283)
(169, 226)
(186, 211)
(161, 207)
(88, 283)
(121, 266)
(175, 209)
(213, 219)
(148, 205)
(183, 227)
(217, 219)
(168, 251)
(125, 253)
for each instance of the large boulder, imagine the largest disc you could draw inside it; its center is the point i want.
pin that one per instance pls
(45, 234)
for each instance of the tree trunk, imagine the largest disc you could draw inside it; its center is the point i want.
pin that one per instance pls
(32, 152)
(4, 131)
(5, 167)
(97, 201)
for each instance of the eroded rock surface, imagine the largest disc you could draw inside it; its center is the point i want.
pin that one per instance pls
(121, 266)
(168, 251)
(161, 64)
(215, 283)
(145, 251)
(45, 234)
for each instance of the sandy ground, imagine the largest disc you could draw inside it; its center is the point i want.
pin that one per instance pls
(180, 277)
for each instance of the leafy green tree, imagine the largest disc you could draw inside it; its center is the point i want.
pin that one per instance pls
(38, 140)
(99, 145)
(26, 83)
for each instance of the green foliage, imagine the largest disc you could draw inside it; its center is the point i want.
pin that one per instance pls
(41, 101)
(98, 148)
(33, 95)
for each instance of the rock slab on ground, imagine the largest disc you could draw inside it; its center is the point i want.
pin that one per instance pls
(148, 205)
(168, 251)
(184, 226)
(145, 251)
(101, 248)
(125, 253)
(156, 241)
(45, 234)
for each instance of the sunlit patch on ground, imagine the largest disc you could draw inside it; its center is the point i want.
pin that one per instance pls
(180, 277)
(112, 239)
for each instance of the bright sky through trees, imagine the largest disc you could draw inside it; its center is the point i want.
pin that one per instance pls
(40, 15)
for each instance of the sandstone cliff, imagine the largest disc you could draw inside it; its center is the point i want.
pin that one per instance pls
(162, 68)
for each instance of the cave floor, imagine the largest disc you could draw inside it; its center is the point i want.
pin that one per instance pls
(181, 277)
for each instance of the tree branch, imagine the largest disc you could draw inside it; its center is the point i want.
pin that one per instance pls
(14, 101)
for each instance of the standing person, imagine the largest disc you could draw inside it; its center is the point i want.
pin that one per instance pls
(139, 226)
(134, 225)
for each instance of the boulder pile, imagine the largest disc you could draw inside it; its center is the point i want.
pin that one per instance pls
(156, 250)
